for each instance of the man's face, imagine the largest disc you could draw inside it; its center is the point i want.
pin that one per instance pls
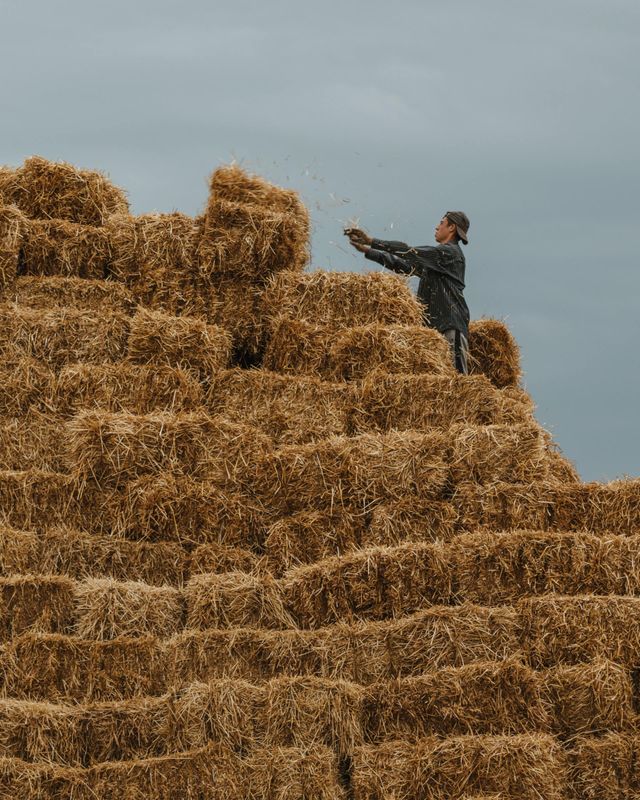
(444, 230)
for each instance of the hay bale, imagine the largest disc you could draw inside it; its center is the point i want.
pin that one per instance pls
(238, 199)
(25, 385)
(604, 767)
(310, 536)
(355, 352)
(235, 600)
(457, 636)
(98, 295)
(372, 584)
(19, 551)
(285, 773)
(494, 352)
(13, 225)
(128, 388)
(154, 255)
(364, 652)
(339, 652)
(117, 448)
(397, 466)
(342, 299)
(230, 182)
(410, 520)
(502, 567)
(290, 409)
(31, 442)
(45, 189)
(219, 558)
(420, 402)
(61, 668)
(252, 241)
(572, 630)
(34, 497)
(353, 472)
(561, 469)
(226, 712)
(131, 729)
(7, 180)
(177, 508)
(238, 653)
(35, 602)
(62, 335)
(212, 770)
(591, 697)
(187, 343)
(61, 550)
(296, 477)
(41, 732)
(238, 311)
(106, 609)
(527, 766)
(298, 347)
(598, 507)
(487, 454)
(74, 735)
(503, 506)
(222, 712)
(504, 697)
(60, 248)
(306, 712)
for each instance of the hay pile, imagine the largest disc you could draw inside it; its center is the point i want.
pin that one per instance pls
(153, 255)
(98, 295)
(12, 227)
(44, 189)
(494, 352)
(62, 335)
(342, 299)
(344, 326)
(251, 229)
(259, 540)
(58, 247)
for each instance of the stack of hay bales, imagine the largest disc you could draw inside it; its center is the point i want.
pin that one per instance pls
(343, 326)
(346, 572)
(250, 231)
(62, 213)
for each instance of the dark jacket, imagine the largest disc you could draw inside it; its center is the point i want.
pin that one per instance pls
(441, 273)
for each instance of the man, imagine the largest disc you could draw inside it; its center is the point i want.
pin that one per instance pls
(441, 271)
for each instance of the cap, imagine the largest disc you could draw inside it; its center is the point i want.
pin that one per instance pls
(461, 221)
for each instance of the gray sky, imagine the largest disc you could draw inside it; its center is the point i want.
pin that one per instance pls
(525, 115)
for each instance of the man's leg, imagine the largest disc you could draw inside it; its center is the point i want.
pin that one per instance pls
(459, 349)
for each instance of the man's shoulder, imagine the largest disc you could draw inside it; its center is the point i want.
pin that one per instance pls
(447, 247)
(452, 250)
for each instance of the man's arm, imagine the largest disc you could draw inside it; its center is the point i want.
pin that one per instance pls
(396, 256)
(398, 248)
(392, 261)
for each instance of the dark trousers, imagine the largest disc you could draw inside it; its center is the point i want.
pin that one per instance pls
(459, 349)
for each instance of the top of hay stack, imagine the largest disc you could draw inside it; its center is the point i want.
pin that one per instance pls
(45, 189)
(345, 573)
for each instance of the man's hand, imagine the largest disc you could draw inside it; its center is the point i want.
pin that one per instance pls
(358, 239)
(358, 235)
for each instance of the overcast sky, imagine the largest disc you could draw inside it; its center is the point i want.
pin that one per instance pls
(524, 115)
